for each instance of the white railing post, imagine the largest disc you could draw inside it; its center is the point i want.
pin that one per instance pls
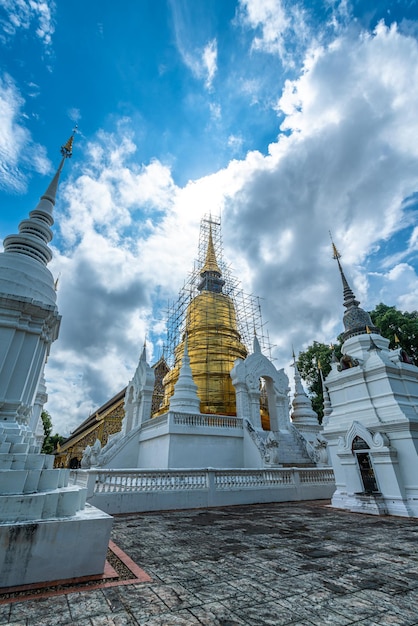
(211, 486)
(296, 479)
(91, 483)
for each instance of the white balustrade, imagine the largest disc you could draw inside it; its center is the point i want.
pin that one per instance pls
(211, 421)
(316, 476)
(125, 481)
(130, 491)
(114, 481)
(229, 479)
(155, 422)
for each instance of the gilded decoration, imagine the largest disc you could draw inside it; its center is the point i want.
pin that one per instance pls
(105, 422)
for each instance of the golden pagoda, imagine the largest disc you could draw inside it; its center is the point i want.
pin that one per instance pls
(214, 342)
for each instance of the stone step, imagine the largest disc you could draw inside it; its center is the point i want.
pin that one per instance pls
(25, 480)
(17, 448)
(13, 481)
(64, 502)
(9, 460)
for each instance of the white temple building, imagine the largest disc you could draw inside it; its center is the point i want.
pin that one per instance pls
(212, 410)
(47, 532)
(371, 419)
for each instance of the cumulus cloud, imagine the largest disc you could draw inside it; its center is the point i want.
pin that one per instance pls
(23, 14)
(345, 160)
(279, 26)
(17, 148)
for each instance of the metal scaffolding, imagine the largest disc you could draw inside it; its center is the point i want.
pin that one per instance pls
(247, 306)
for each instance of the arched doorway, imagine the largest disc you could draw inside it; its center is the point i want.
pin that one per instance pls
(361, 451)
(264, 405)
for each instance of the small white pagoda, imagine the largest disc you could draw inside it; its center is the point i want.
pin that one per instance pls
(47, 532)
(371, 424)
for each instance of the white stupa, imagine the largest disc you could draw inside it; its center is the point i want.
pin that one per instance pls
(372, 423)
(46, 530)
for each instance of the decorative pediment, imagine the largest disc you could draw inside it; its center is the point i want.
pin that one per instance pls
(257, 366)
(374, 441)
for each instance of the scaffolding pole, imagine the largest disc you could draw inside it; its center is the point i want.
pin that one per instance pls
(247, 306)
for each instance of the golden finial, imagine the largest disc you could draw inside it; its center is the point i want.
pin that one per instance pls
(397, 340)
(211, 264)
(56, 282)
(368, 331)
(319, 364)
(67, 148)
(336, 254)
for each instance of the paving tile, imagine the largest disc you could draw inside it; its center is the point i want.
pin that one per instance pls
(296, 564)
(216, 614)
(354, 606)
(176, 596)
(390, 619)
(213, 593)
(87, 603)
(318, 613)
(116, 619)
(4, 613)
(82, 622)
(267, 614)
(181, 618)
(47, 610)
(141, 601)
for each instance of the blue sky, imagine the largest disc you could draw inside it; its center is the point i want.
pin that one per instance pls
(289, 118)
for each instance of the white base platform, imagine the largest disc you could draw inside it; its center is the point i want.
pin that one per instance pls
(54, 549)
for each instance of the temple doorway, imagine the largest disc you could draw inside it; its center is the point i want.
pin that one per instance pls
(362, 452)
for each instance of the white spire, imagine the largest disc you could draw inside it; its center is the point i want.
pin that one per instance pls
(325, 395)
(303, 413)
(35, 233)
(256, 344)
(143, 357)
(185, 398)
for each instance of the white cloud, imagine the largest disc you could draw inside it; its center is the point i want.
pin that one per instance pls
(202, 62)
(200, 59)
(22, 14)
(17, 148)
(74, 114)
(398, 286)
(235, 142)
(209, 61)
(347, 162)
(278, 24)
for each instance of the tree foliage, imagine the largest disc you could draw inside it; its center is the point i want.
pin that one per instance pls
(403, 324)
(315, 356)
(390, 322)
(50, 441)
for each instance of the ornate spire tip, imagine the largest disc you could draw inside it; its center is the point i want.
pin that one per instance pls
(67, 148)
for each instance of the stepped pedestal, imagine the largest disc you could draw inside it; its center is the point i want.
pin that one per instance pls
(47, 532)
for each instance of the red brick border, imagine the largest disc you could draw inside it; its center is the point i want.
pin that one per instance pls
(109, 578)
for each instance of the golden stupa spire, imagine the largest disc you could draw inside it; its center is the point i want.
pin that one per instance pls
(211, 264)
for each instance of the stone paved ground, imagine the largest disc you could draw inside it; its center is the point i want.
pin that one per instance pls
(300, 564)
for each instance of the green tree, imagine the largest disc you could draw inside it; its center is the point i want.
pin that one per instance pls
(307, 364)
(391, 323)
(402, 324)
(50, 442)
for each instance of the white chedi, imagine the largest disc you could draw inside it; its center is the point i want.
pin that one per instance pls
(185, 398)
